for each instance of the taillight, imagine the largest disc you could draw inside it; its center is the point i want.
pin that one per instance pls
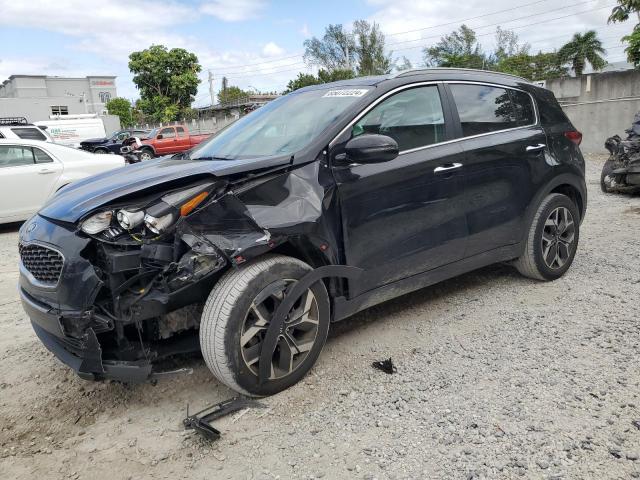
(574, 135)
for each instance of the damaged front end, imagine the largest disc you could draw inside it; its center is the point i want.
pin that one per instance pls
(124, 285)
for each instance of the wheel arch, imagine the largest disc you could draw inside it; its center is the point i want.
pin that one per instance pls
(574, 194)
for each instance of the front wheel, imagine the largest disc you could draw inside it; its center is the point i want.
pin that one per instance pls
(145, 154)
(552, 239)
(238, 313)
(607, 168)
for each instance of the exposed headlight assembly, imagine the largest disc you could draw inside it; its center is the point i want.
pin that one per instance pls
(130, 218)
(97, 222)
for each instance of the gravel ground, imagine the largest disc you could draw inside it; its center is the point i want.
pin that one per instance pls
(498, 377)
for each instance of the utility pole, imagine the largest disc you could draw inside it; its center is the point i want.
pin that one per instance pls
(211, 91)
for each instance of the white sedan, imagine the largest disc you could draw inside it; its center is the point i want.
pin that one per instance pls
(32, 171)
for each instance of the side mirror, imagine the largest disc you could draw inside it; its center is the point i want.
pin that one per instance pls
(371, 148)
(159, 137)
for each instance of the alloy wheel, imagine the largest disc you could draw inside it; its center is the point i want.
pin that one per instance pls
(145, 156)
(296, 339)
(558, 238)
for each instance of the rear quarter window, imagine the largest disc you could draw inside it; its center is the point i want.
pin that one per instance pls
(29, 133)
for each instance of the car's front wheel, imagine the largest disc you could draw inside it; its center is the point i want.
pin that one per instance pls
(552, 239)
(146, 154)
(238, 313)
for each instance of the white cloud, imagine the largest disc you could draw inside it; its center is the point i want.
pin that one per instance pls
(272, 50)
(112, 28)
(304, 31)
(233, 10)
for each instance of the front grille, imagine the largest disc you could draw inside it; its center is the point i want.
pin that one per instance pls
(43, 263)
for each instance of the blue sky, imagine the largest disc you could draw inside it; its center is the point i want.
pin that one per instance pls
(258, 43)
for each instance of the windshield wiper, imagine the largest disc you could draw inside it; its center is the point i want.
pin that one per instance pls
(212, 158)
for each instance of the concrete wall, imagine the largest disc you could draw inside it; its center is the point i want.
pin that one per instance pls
(599, 104)
(36, 109)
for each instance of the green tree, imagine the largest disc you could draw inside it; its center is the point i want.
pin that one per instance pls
(231, 94)
(633, 49)
(167, 80)
(324, 76)
(624, 9)
(458, 49)
(405, 64)
(122, 108)
(362, 50)
(583, 48)
(621, 13)
(370, 53)
(508, 45)
(541, 66)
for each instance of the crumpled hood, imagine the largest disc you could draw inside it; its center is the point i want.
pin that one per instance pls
(78, 199)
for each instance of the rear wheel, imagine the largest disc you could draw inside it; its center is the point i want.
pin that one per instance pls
(238, 313)
(552, 239)
(607, 168)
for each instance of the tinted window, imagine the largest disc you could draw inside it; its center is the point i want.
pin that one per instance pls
(413, 118)
(12, 156)
(41, 157)
(180, 131)
(484, 109)
(523, 108)
(168, 133)
(32, 133)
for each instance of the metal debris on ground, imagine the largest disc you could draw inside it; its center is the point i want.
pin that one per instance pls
(386, 366)
(201, 421)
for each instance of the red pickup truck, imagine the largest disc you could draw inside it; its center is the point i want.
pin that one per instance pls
(169, 140)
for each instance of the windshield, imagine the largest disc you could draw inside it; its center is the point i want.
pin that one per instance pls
(282, 127)
(152, 133)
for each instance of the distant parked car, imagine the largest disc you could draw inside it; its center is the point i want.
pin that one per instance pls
(112, 144)
(169, 140)
(32, 171)
(18, 127)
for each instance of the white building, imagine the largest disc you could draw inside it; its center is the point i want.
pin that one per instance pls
(38, 97)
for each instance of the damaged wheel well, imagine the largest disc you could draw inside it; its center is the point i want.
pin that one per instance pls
(573, 193)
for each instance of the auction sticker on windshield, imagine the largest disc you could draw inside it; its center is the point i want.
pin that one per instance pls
(353, 92)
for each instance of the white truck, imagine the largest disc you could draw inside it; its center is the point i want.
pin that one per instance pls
(70, 130)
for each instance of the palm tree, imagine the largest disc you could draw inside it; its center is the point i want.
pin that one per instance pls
(581, 49)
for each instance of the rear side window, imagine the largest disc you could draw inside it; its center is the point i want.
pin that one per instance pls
(413, 118)
(14, 155)
(485, 109)
(180, 131)
(29, 133)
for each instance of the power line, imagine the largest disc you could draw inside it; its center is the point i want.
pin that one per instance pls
(412, 31)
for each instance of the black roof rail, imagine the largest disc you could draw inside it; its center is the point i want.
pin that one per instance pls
(13, 121)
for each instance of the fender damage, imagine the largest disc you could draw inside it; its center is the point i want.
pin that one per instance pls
(122, 302)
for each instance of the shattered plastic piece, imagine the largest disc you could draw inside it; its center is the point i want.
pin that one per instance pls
(201, 421)
(386, 366)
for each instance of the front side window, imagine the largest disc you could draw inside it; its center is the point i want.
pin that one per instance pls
(168, 133)
(412, 117)
(13, 156)
(485, 109)
(29, 133)
(180, 131)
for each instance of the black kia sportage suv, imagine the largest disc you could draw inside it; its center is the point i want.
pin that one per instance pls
(320, 204)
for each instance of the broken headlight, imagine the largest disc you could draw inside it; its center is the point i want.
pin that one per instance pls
(97, 222)
(160, 216)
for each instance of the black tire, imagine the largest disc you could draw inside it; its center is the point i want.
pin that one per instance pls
(100, 151)
(146, 154)
(533, 263)
(225, 316)
(607, 168)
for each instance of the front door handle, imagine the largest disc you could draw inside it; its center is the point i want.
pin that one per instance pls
(535, 148)
(446, 167)
(45, 171)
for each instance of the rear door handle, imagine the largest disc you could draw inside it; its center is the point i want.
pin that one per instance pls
(446, 167)
(45, 171)
(535, 148)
